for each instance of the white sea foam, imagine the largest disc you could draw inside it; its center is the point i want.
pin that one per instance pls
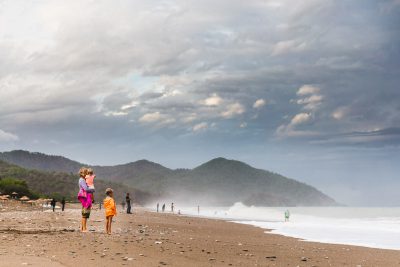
(370, 227)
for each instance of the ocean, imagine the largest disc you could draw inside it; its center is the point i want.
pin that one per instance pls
(361, 226)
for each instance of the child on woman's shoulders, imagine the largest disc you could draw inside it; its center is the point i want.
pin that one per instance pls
(90, 181)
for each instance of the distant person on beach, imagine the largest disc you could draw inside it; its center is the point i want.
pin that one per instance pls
(163, 207)
(90, 181)
(172, 207)
(128, 203)
(84, 196)
(63, 204)
(53, 204)
(198, 209)
(287, 215)
(158, 205)
(111, 209)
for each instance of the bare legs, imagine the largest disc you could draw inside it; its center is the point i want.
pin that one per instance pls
(83, 225)
(108, 224)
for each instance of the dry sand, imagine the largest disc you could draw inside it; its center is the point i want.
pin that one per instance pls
(43, 238)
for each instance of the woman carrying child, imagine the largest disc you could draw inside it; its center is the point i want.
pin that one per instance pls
(84, 196)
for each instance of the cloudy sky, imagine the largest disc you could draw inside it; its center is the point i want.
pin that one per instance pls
(309, 89)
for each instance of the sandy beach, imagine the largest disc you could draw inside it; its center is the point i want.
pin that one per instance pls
(35, 237)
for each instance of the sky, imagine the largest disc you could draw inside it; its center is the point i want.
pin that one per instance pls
(308, 89)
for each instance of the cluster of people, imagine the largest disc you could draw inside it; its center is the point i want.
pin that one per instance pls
(53, 204)
(163, 207)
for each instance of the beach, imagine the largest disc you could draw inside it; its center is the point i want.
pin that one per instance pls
(36, 237)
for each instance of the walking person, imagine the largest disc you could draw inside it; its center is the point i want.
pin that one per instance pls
(158, 205)
(53, 204)
(63, 204)
(163, 207)
(128, 203)
(172, 207)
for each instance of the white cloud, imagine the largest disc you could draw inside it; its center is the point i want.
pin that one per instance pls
(151, 117)
(130, 105)
(157, 117)
(311, 103)
(259, 103)
(233, 110)
(311, 98)
(243, 125)
(300, 118)
(200, 126)
(213, 100)
(340, 113)
(308, 90)
(7, 137)
(289, 130)
(115, 113)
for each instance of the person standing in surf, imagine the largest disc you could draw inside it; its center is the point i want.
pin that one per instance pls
(287, 215)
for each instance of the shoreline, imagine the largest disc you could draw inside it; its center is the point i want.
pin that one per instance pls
(147, 238)
(272, 231)
(294, 229)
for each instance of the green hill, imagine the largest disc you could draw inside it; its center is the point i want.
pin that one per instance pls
(58, 184)
(217, 182)
(234, 181)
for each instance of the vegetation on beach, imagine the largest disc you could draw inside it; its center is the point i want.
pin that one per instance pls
(9, 185)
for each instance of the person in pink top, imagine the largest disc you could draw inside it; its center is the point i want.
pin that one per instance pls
(84, 196)
(90, 181)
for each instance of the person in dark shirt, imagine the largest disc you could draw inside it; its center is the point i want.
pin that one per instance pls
(53, 204)
(63, 204)
(128, 203)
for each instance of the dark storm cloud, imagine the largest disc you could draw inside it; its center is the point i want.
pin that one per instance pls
(259, 50)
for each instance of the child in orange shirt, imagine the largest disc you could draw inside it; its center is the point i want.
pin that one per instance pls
(110, 208)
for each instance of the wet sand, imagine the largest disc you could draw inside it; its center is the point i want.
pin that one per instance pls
(45, 238)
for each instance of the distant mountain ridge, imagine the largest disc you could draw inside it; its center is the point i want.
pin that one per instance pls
(219, 181)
